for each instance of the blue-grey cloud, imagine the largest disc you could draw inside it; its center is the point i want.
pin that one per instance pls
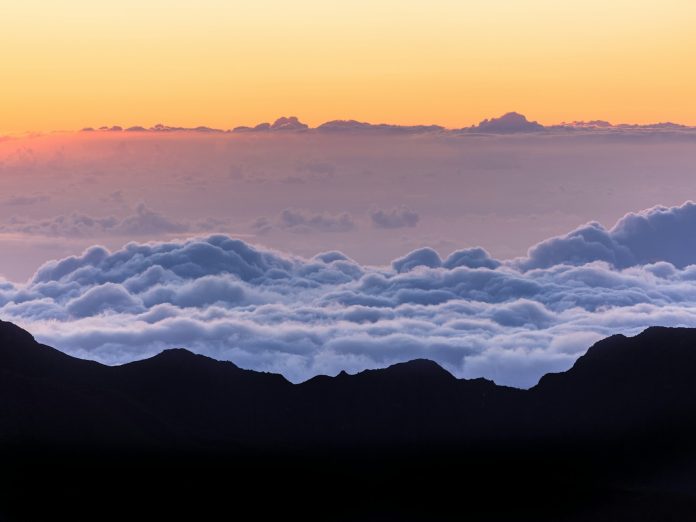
(399, 217)
(507, 320)
(471, 257)
(25, 200)
(425, 257)
(143, 222)
(303, 221)
(353, 126)
(655, 234)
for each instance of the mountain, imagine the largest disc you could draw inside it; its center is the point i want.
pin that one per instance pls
(612, 437)
(178, 399)
(626, 386)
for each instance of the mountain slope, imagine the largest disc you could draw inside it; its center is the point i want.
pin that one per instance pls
(181, 434)
(625, 386)
(620, 385)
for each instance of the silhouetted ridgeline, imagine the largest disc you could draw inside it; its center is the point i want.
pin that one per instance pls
(613, 436)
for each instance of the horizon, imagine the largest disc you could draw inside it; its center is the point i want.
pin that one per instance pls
(161, 124)
(178, 350)
(453, 63)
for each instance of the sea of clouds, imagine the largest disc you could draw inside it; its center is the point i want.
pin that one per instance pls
(508, 320)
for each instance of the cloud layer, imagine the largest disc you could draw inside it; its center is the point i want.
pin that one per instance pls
(143, 222)
(64, 192)
(510, 122)
(511, 321)
(656, 234)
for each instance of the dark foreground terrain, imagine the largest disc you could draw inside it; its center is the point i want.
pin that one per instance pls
(184, 436)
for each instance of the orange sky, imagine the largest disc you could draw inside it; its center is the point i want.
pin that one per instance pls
(67, 64)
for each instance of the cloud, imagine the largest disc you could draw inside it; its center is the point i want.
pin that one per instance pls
(472, 258)
(143, 222)
(300, 221)
(400, 217)
(290, 123)
(147, 221)
(359, 126)
(155, 128)
(267, 310)
(508, 123)
(262, 225)
(426, 257)
(116, 198)
(103, 298)
(22, 201)
(655, 234)
(605, 125)
(283, 124)
(303, 221)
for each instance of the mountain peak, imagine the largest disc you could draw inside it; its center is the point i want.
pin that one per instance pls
(183, 356)
(180, 353)
(11, 333)
(419, 368)
(659, 356)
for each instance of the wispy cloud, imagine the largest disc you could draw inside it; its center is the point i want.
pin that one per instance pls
(144, 221)
(400, 217)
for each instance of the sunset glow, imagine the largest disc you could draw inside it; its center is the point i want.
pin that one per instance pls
(74, 63)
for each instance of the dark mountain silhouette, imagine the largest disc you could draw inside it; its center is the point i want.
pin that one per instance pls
(612, 437)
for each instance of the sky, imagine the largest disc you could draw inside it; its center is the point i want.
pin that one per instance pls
(372, 195)
(499, 245)
(69, 64)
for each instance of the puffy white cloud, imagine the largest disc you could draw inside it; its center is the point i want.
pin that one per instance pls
(108, 297)
(655, 234)
(472, 258)
(421, 257)
(511, 321)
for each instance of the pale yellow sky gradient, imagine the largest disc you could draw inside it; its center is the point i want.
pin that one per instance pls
(67, 64)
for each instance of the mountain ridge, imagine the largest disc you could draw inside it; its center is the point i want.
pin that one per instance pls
(612, 438)
(620, 382)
